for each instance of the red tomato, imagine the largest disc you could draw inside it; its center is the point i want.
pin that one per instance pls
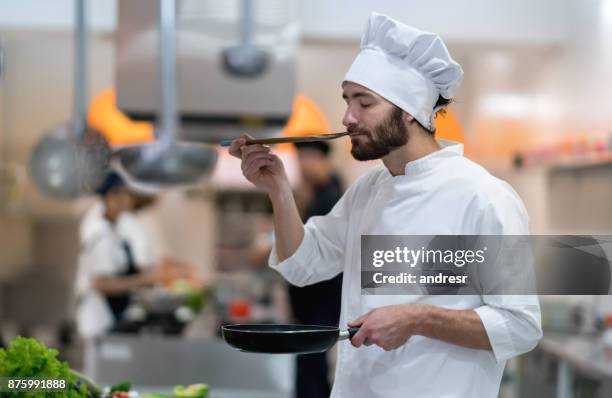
(240, 308)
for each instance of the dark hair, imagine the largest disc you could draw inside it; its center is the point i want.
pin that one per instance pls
(321, 146)
(111, 182)
(443, 103)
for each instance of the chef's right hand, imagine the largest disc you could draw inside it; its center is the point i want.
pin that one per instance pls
(259, 165)
(151, 277)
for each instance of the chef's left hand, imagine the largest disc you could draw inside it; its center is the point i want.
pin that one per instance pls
(389, 327)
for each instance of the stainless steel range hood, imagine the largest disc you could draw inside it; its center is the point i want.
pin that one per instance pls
(213, 103)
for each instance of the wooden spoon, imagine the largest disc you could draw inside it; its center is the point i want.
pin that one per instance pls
(282, 140)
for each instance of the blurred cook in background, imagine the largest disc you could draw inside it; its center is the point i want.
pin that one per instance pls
(317, 304)
(117, 257)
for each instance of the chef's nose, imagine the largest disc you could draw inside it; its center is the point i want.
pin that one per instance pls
(349, 118)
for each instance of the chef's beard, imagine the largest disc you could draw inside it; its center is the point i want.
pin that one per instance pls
(386, 136)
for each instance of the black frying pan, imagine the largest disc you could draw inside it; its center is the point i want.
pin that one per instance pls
(284, 339)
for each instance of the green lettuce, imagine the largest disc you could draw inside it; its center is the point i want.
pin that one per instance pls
(27, 357)
(192, 391)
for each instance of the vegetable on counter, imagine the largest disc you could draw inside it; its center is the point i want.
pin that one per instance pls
(121, 390)
(192, 391)
(194, 296)
(27, 357)
(123, 386)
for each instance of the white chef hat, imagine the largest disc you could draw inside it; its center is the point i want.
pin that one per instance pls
(406, 66)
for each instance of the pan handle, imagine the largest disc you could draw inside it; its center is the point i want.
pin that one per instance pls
(347, 334)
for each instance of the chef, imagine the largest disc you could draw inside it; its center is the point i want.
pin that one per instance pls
(109, 269)
(407, 345)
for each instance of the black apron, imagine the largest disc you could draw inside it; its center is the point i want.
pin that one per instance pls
(119, 302)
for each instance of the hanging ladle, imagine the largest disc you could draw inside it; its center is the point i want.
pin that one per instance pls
(245, 59)
(72, 159)
(166, 162)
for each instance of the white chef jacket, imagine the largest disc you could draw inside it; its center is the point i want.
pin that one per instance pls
(102, 253)
(442, 193)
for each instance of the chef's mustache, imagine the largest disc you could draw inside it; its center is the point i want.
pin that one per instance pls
(356, 130)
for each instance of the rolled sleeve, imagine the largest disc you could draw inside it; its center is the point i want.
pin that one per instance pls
(512, 322)
(512, 328)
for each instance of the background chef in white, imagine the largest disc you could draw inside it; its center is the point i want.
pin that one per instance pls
(108, 269)
(418, 346)
(118, 255)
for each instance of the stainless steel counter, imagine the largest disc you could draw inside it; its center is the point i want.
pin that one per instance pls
(583, 353)
(157, 361)
(576, 357)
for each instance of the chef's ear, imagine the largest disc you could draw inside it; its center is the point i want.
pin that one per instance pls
(407, 118)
